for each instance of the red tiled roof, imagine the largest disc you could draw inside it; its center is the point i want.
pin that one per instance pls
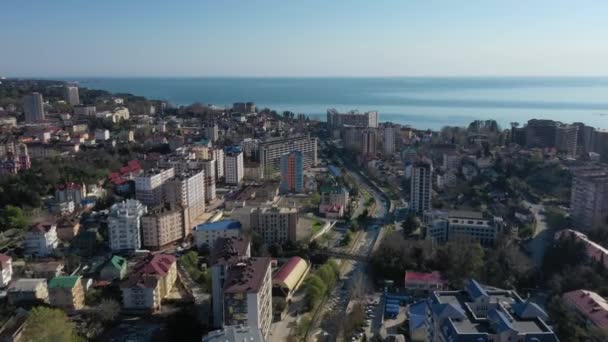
(246, 276)
(421, 277)
(69, 185)
(284, 272)
(159, 265)
(593, 250)
(589, 304)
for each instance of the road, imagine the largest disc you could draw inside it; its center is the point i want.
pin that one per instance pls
(354, 273)
(542, 236)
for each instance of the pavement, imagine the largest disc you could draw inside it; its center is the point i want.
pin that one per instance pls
(542, 235)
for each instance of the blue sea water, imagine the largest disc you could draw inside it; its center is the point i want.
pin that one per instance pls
(420, 102)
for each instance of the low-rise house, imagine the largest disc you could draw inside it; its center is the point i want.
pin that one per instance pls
(66, 292)
(421, 281)
(590, 307)
(151, 281)
(207, 233)
(114, 268)
(67, 229)
(6, 270)
(45, 269)
(41, 239)
(27, 290)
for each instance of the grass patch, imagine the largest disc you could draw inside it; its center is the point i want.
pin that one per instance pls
(316, 227)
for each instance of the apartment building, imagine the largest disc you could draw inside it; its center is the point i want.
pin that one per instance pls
(225, 253)
(389, 139)
(369, 141)
(272, 150)
(234, 168)
(292, 172)
(478, 313)
(187, 189)
(212, 132)
(33, 106)
(210, 168)
(206, 234)
(75, 192)
(589, 198)
(275, 225)
(446, 226)
(248, 294)
(71, 95)
(150, 281)
(163, 225)
(124, 223)
(352, 118)
(66, 292)
(566, 139)
(149, 185)
(41, 239)
(421, 184)
(85, 110)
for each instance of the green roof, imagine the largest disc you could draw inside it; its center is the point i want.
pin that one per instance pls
(118, 262)
(63, 282)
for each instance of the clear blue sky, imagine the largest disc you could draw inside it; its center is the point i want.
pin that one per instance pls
(303, 37)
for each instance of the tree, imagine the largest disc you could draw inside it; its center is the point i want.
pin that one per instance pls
(47, 324)
(12, 218)
(410, 225)
(108, 310)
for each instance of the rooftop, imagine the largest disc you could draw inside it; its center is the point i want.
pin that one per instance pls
(228, 250)
(63, 282)
(589, 304)
(246, 275)
(476, 215)
(430, 277)
(219, 225)
(26, 284)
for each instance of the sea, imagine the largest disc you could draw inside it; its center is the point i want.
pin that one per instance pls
(422, 102)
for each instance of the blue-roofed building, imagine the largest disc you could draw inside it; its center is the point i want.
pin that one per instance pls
(205, 234)
(334, 171)
(417, 315)
(480, 314)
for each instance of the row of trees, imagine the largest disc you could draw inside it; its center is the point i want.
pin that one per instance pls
(319, 284)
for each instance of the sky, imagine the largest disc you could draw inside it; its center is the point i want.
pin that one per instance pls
(304, 38)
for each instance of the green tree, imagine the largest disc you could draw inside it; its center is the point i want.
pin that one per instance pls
(410, 225)
(108, 310)
(47, 324)
(12, 218)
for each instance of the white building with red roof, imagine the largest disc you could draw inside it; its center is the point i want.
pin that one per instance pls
(421, 281)
(6, 270)
(593, 250)
(590, 306)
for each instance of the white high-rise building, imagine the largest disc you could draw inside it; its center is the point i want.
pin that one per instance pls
(72, 96)
(124, 222)
(389, 140)
(234, 167)
(212, 132)
(218, 155)
(272, 150)
(33, 106)
(421, 186)
(149, 186)
(210, 167)
(188, 190)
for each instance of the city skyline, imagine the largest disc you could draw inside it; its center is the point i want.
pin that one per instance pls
(270, 39)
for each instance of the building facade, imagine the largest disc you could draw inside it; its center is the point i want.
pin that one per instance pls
(589, 198)
(248, 294)
(421, 186)
(275, 225)
(206, 234)
(124, 223)
(389, 140)
(162, 226)
(292, 172)
(33, 106)
(272, 150)
(187, 189)
(149, 186)
(41, 239)
(234, 167)
(352, 118)
(66, 292)
(210, 168)
(150, 281)
(71, 95)
(447, 226)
